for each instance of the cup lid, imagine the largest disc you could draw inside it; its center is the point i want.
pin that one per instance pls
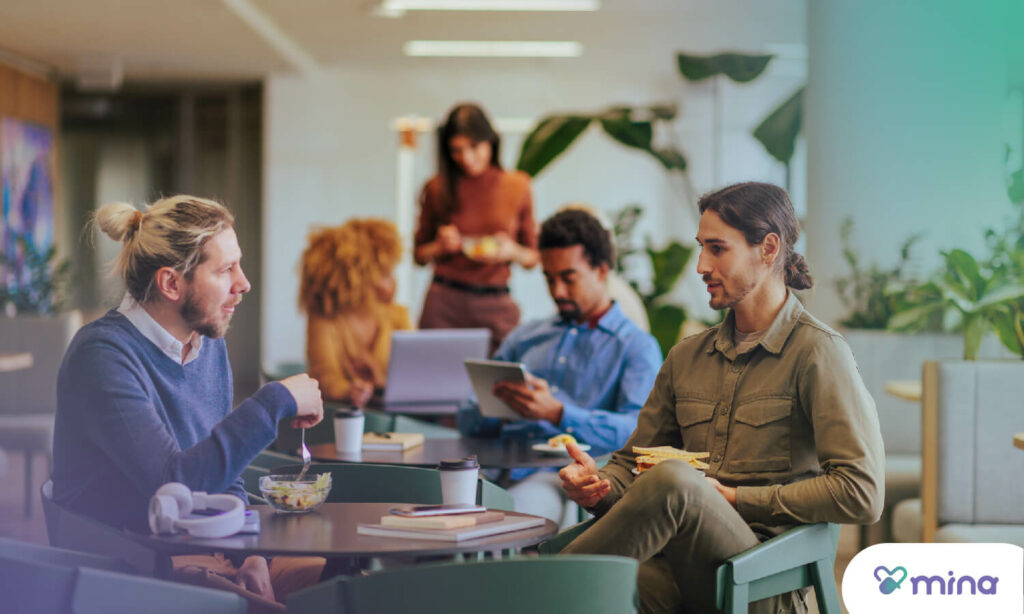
(348, 412)
(467, 462)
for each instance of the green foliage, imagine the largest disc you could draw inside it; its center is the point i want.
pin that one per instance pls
(630, 126)
(739, 67)
(42, 291)
(667, 265)
(779, 130)
(966, 296)
(872, 295)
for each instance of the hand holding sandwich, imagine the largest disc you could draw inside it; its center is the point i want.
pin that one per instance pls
(580, 479)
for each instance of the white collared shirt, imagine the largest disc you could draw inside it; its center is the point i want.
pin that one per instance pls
(152, 330)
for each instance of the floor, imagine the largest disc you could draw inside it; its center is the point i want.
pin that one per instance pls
(14, 524)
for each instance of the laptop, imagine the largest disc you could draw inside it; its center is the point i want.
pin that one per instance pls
(426, 374)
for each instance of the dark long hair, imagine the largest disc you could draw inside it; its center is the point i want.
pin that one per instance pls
(465, 119)
(756, 209)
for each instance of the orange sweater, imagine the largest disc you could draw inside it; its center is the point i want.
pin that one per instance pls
(336, 358)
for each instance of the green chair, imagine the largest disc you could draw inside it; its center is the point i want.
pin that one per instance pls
(567, 585)
(801, 557)
(40, 579)
(288, 438)
(73, 531)
(405, 424)
(251, 478)
(368, 483)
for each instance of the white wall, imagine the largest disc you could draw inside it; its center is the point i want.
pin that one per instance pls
(331, 152)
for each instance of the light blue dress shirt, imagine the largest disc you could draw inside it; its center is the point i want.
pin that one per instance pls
(602, 376)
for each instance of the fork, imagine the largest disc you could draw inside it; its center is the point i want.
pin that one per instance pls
(306, 457)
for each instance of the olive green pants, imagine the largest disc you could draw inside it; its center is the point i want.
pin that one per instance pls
(681, 529)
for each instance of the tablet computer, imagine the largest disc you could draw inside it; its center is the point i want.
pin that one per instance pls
(485, 374)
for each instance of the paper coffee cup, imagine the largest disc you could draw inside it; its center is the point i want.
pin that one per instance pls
(348, 430)
(458, 480)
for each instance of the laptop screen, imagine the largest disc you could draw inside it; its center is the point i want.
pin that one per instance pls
(426, 365)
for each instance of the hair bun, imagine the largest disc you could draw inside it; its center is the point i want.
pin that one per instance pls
(118, 220)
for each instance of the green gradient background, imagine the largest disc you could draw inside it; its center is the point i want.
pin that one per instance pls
(906, 120)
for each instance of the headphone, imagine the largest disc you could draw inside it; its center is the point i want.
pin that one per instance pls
(170, 507)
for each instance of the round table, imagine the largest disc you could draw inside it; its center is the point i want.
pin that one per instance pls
(491, 453)
(330, 532)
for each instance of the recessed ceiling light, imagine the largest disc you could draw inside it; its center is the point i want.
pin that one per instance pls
(494, 49)
(399, 6)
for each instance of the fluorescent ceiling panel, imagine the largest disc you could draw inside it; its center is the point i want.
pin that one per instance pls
(494, 49)
(398, 6)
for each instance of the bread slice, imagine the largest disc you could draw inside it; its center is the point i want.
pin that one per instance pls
(649, 457)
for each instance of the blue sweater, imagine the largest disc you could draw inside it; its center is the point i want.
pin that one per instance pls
(130, 419)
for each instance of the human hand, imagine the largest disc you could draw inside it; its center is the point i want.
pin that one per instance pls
(309, 403)
(254, 576)
(531, 399)
(449, 239)
(580, 480)
(729, 492)
(361, 392)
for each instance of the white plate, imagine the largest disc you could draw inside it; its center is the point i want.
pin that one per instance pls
(545, 448)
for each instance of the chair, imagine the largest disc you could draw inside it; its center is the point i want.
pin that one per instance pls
(288, 438)
(801, 557)
(73, 531)
(567, 585)
(28, 398)
(368, 483)
(971, 490)
(39, 579)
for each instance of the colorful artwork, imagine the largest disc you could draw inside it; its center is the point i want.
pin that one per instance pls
(26, 177)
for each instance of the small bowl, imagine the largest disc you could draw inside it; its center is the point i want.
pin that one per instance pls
(285, 494)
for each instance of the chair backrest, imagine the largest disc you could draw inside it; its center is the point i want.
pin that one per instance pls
(405, 424)
(32, 580)
(565, 584)
(74, 531)
(32, 390)
(26, 551)
(971, 409)
(368, 483)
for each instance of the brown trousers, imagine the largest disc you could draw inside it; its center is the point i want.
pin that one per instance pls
(680, 528)
(446, 307)
(287, 575)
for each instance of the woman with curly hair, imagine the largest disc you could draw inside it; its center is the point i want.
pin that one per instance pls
(347, 291)
(476, 220)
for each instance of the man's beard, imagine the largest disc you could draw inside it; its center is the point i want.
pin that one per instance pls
(199, 320)
(729, 300)
(569, 310)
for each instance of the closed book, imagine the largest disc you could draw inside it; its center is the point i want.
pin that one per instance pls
(392, 441)
(442, 522)
(506, 525)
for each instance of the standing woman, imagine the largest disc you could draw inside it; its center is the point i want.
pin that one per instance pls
(476, 220)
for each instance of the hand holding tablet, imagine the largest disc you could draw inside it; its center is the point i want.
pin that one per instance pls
(485, 374)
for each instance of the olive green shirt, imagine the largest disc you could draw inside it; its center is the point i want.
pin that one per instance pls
(789, 422)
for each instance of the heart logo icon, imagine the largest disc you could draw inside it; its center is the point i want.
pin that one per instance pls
(889, 583)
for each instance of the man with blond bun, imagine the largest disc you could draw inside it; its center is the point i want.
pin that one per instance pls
(144, 393)
(772, 396)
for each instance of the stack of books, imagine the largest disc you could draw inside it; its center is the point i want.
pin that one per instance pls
(449, 527)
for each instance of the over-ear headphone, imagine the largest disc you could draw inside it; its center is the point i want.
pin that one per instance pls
(173, 502)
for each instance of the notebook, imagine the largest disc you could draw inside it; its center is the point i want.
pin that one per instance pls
(506, 525)
(425, 372)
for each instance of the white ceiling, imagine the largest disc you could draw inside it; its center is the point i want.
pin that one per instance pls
(205, 39)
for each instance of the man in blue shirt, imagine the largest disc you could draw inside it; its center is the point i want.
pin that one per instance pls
(589, 368)
(144, 393)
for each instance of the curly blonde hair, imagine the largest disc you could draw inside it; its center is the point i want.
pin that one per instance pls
(342, 264)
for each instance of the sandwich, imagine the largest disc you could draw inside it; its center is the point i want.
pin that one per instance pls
(649, 457)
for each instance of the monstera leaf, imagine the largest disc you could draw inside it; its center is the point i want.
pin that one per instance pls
(549, 139)
(667, 265)
(779, 130)
(666, 321)
(739, 67)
